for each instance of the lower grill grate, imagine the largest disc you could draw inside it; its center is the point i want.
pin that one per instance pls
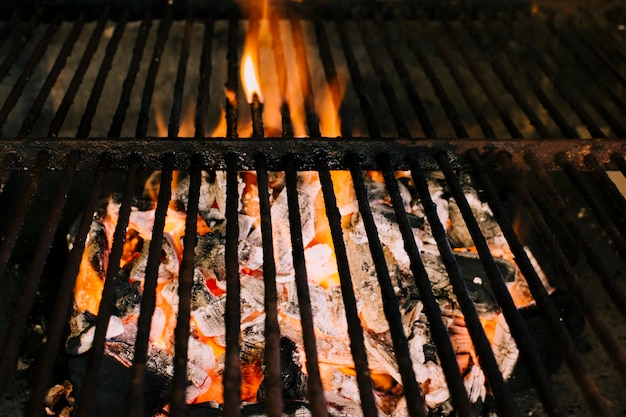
(528, 103)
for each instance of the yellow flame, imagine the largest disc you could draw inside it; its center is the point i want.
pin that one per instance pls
(250, 78)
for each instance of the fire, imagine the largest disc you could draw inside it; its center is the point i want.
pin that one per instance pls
(249, 68)
(249, 73)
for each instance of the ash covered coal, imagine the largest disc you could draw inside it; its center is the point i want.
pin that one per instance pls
(205, 363)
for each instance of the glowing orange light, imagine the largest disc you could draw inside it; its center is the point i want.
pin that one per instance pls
(250, 77)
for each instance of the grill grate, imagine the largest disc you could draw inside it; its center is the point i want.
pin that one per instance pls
(489, 89)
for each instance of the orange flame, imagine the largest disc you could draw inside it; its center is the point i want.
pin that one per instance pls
(250, 77)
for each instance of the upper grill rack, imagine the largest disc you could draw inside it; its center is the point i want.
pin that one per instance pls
(422, 94)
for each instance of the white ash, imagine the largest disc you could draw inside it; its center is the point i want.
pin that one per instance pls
(207, 308)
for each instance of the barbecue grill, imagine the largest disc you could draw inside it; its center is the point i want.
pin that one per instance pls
(526, 98)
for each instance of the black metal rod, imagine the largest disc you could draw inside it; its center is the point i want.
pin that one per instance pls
(9, 26)
(534, 56)
(605, 50)
(29, 68)
(535, 86)
(606, 185)
(72, 89)
(439, 332)
(593, 198)
(140, 43)
(503, 397)
(357, 81)
(460, 82)
(272, 380)
(507, 80)
(440, 91)
(385, 85)
(204, 98)
(593, 258)
(256, 110)
(551, 315)
(584, 90)
(96, 91)
(232, 316)
(600, 328)
(355, 331)
(13, 230)
(405, 78)
(33, 274)
(135, 396)
(58, 320)
(107, 303)
(583, 59)
(328, 64)
(412, 392)
(185, 285)
(153, 70)
(486, 85)
(232, 82)
(315, 391)
(305, 78)
(51, 78)
(20, 38)
(545, 389)
(179, 84)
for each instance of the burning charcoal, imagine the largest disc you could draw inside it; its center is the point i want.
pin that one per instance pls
(168, 268)
(291, 375)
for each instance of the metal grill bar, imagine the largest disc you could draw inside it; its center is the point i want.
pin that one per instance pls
(105, 67)
(593, 198)
(581, 92)
(203, 101)
(33, 276)
(120, 113)
(603, 332)
(64, 298)
(10, 235)
(153, 69)
(579, 371)
(486, 86)
(315, 391)
(385, 85)
(9, 26)
(545, 391)
(487, 361)
(440, 91)
(355, 331)
(412, 390)
(608, 282)
(281, 73)
(21, 37)
(461, 84)
(305, 79)
(401, 70)
(135, 397)
(174, 124)
(90, 50)
(534, 84)
(66, 50)
(273, 387)
(185, 280)
(357, 81)
(432, 310)
(87, 397)
(232, 316)
(506, 79)
(331, 75)
(29, 68)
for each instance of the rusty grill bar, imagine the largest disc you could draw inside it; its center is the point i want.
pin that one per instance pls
(446, 88)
